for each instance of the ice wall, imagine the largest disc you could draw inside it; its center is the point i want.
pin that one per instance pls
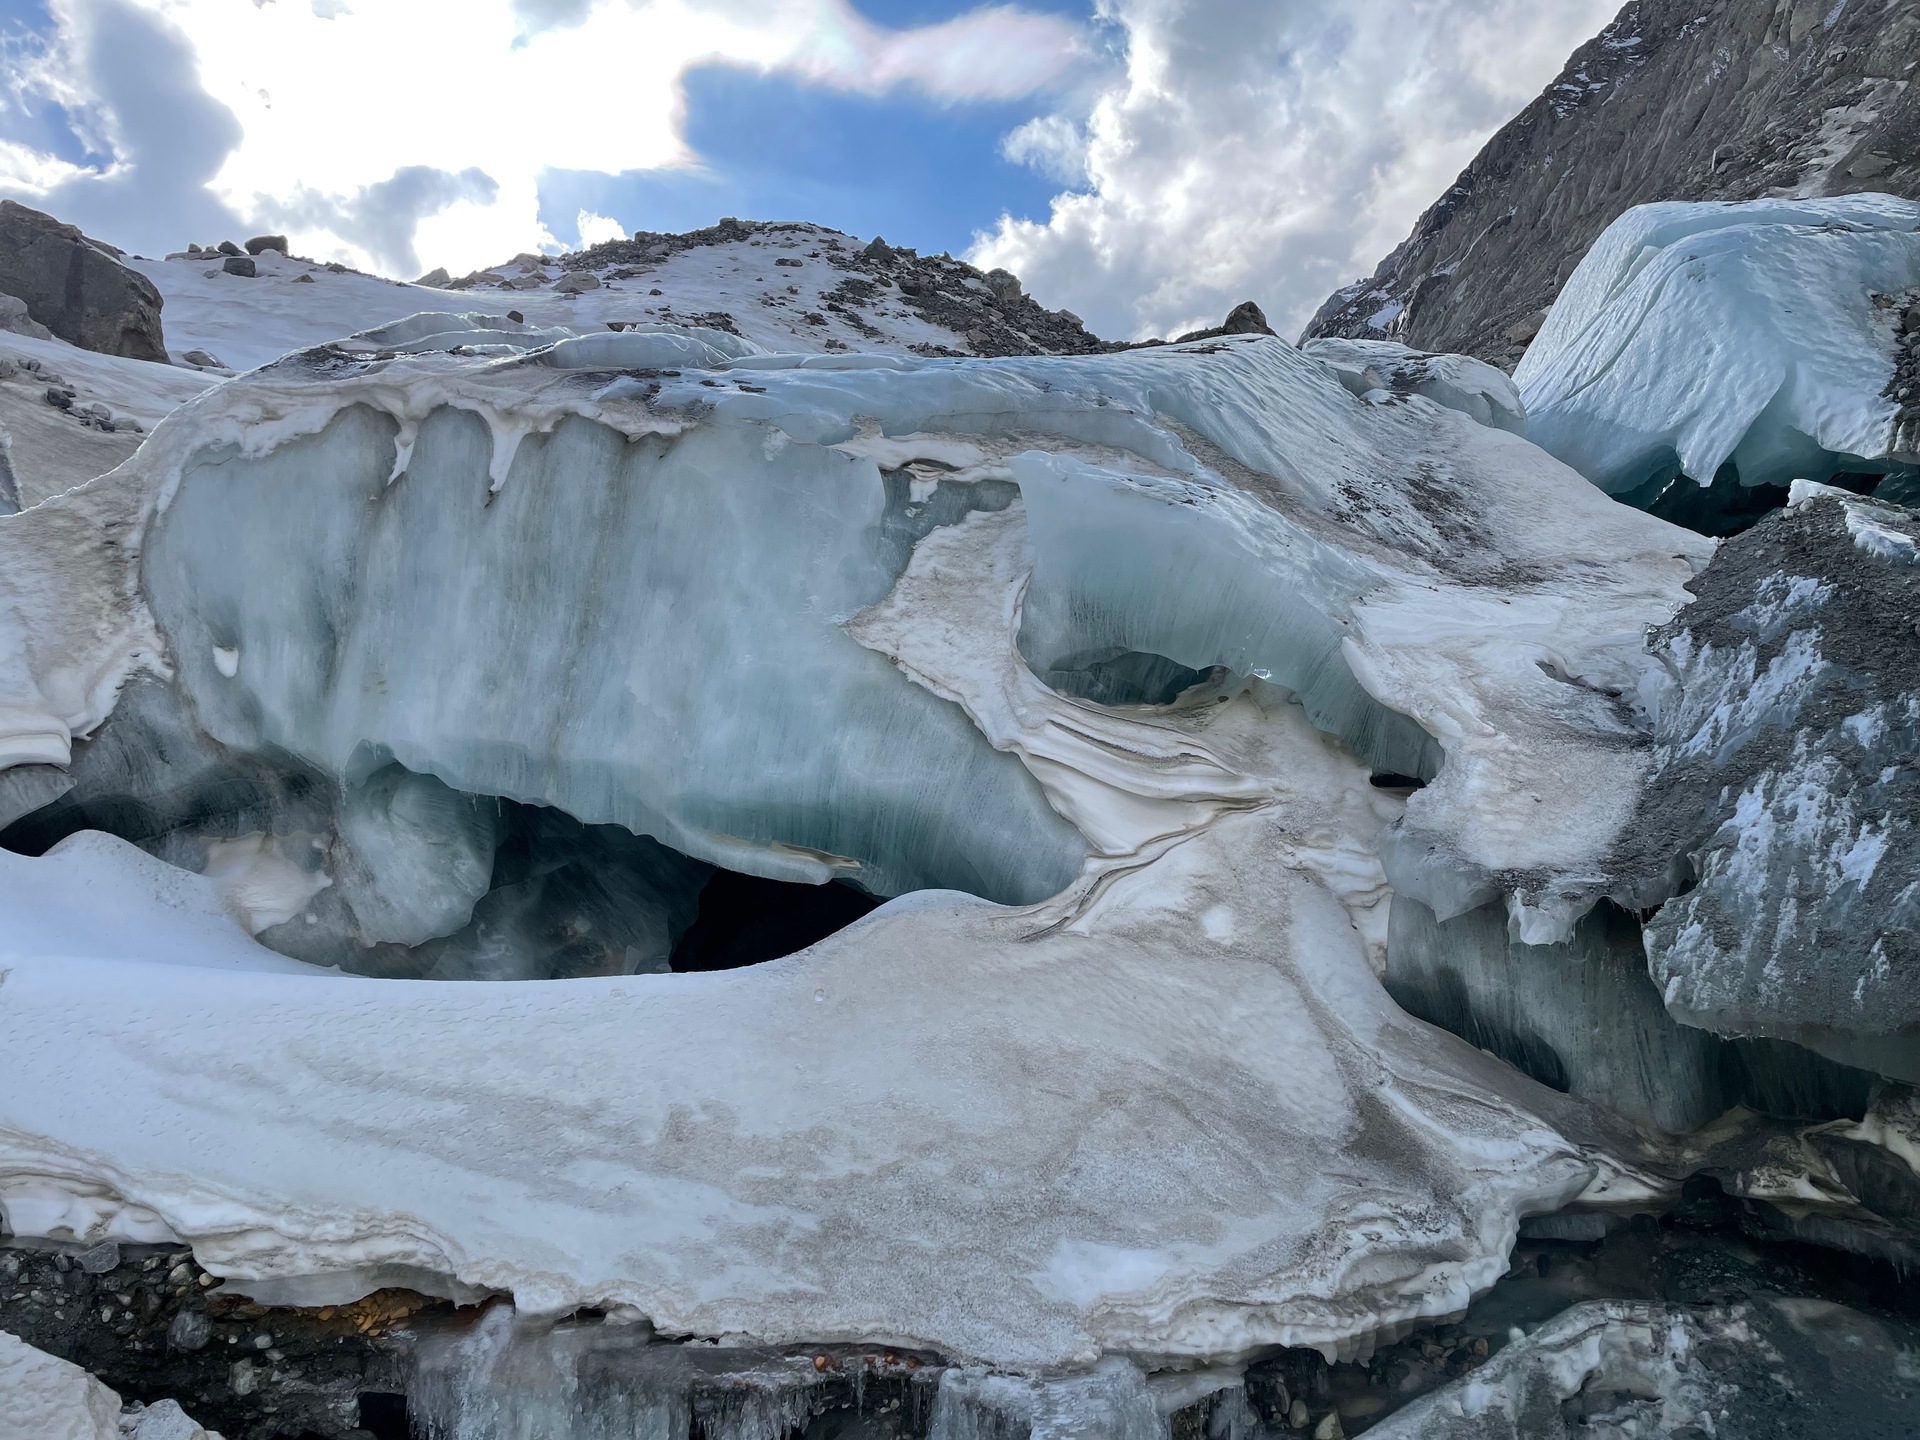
(639, 633)
(768, 610)
(1409, 574)
(1762, 335)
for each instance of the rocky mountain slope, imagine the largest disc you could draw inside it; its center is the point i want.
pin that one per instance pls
(1675, 100)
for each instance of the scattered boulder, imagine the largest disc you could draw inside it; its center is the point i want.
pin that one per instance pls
(76, 288)
(303, 280)
(227, 247)
(241, 265)
(203, 360)
(436, 278)
(1005, 286)
(261, 243)
(15, 319)
(1523, 331)
(577, 282)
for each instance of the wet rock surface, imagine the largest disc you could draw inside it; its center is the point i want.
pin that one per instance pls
(152, 1325)
(1720, 100)
(1787, 1338)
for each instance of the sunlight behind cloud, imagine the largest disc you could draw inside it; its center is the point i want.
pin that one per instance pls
(333, 101)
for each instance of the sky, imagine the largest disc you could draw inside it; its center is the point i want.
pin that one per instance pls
(1146, 164)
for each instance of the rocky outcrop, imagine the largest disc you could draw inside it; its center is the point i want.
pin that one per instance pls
(1675, 100)
(983, 313)
(77, 287)
(1785, 734)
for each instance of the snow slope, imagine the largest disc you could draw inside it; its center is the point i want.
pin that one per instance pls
(782, 287)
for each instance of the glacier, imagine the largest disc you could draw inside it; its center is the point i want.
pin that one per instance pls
(424, 598)
(1209, 718)
(1735, 345)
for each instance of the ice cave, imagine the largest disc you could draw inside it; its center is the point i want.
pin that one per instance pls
(563, 883)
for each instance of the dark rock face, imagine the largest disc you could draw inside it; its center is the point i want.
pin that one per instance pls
(1675, 100)
(1786, 736)
(991, 310)
(1246, 318)
(77, 288)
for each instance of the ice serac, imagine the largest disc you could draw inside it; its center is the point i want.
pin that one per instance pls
(1459, 382)
(1403, 570)
(1786, 726)
(795, 615)
(1765, 336)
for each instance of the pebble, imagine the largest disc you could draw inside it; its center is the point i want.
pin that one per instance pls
(190, 1330)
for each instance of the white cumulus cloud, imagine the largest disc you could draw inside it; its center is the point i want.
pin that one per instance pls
(1269, 149)
(313, 114)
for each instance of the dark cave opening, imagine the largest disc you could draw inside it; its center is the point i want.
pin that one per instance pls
(384, 1416)
(1727, 508)
(745, 920)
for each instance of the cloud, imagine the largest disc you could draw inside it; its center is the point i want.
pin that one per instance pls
(127, 78)
(1270, 149)
(313, 115)
(380, 219)
(1052, 145)
(597, 229)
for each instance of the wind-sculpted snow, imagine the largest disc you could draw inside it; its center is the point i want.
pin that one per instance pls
(1764, 336)
(393, 614)
(1787, 725)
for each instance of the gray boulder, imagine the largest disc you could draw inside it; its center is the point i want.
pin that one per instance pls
(1786, 733)
(241, 265)
(15, 320)
(76, 287)
(260, 243)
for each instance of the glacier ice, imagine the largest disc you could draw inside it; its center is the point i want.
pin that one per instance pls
(1756, 341)
(478, 659)
(646, 599)
(1459, 382)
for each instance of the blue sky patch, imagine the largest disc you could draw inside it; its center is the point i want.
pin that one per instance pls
(778, 149)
